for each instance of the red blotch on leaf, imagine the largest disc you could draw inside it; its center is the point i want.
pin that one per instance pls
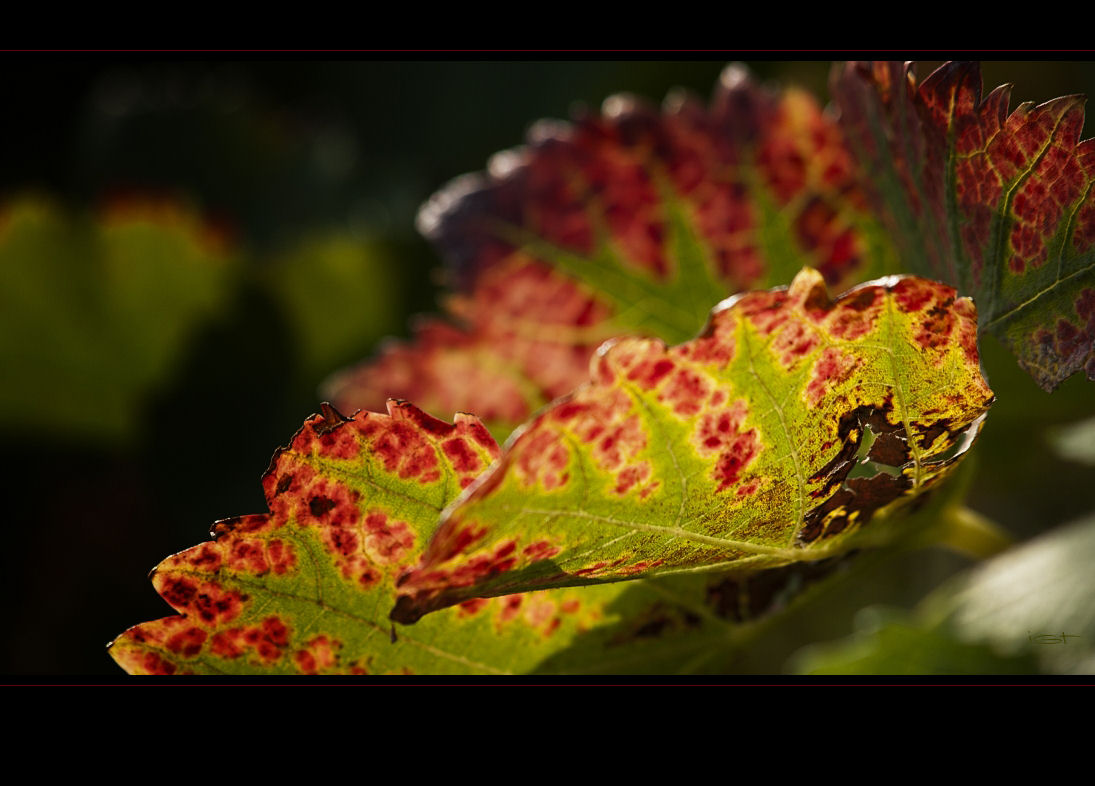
(544, 458)
(388, 540)
(187, 643)
(205, 558)
(327, 503)
(766, 311)
(178, 591)
(248, 556)
(215, 605)
(154, 664)
(477, 568)
(640, 566)
(511, 605)
(342, 444)
(720, 433)
(649, 373)
(795, 341)
(856, 314)
(470, 608)
(539, 611)
(967, 328)
(937, 327)
(685, 392)
(833, 367)
(228, 643)
(406, 452)
(318, 654)
(342, 541)
(208, 601)
(269, 639)
(463, 458)
(281, 556)
(912, 294)
(631, 476)
(746, 489)
(450, 541)
(539, 550)
(591, 569)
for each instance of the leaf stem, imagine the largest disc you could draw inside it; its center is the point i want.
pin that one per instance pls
(969, 532)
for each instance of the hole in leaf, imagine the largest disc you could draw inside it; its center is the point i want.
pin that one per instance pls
(864, 466)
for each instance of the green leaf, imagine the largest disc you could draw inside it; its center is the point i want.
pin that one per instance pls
(94, 311)
(999, 205)
(629, 222)
(1030, 609)
(730, 451)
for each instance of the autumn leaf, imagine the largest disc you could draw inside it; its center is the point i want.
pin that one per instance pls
(1000, 205)
(95, 310)
(306, 588)
(729, 451)
(633, 221)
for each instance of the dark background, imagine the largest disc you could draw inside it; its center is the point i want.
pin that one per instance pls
(274, 150)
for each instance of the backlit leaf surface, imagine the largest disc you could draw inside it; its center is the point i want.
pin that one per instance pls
(731, 450)
(307, 587)
(999, 205)
(633, 221)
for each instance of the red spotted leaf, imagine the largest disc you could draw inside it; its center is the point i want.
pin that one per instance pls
(733, 450)
(1000, 205)
(306, 588)
(631, 221)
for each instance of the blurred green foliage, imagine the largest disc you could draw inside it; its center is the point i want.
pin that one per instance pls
(1027, 611)
(94, 312)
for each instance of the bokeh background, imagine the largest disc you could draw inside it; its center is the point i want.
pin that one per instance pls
(190, 247)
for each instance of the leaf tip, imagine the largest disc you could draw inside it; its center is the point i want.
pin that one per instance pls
(332, 419)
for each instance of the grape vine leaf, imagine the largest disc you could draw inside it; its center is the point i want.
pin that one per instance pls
(729, 451)
(633, 221)
(95, 310)
(306, 588)
(999, 205)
